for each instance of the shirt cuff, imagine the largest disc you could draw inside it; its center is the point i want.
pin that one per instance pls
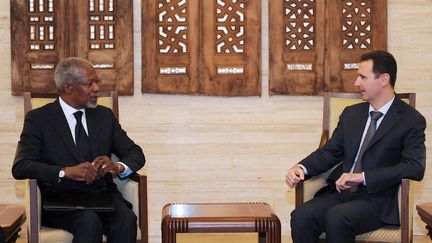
(127, 171)
(364, 179)
(303, 168)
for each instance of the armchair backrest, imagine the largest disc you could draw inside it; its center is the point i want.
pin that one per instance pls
(36, 100)
(335, 103)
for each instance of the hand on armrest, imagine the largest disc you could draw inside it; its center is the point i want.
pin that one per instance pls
(294, 176)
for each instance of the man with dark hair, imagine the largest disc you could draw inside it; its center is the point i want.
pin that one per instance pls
(383, 62)
(364, 195)
(67, 145)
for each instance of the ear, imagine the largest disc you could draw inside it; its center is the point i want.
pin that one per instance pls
(385, 79)
(68, 88)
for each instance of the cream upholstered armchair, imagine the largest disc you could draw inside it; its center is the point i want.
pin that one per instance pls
(133, 189)
(334, 103)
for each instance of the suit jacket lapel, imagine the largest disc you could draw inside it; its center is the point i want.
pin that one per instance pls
(60, 125)
(390, 119)
(93, 131)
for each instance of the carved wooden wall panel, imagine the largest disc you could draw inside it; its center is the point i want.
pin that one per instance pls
(37, 43)
(355, 27)
(207, 47)
(315, 45)
(169, 46)
(104, 35)
(297, 39)
(46, 31)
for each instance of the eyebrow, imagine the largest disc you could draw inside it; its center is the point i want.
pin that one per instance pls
(361, 75)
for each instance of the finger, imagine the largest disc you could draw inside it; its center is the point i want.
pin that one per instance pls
(289, 182)
(98, 162)
(91, 172)
(301, 174)
(114, 173)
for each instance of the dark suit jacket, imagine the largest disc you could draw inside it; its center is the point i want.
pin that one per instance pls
(46, 146)
(396, 151)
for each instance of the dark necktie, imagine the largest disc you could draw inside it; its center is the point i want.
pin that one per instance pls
(81, 139)
(375, 116)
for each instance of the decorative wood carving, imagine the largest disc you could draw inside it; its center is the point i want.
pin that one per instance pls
(355, 27)
(315, 45)
(297, 41)
(37, 44)
(46, 31)
(211, 48)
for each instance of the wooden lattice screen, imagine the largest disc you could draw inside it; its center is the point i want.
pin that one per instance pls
(315, 45)
(207, 47)
(46, 31)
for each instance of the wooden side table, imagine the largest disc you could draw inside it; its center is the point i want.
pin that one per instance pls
(220, 218)
(425, 212)
(11, 219)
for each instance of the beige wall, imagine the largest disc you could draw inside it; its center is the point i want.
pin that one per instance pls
(213, 149)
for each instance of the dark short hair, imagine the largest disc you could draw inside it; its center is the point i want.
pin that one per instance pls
(383, 62)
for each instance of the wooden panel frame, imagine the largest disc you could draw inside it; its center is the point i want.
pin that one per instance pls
(326, 71)
(293, 82)
(339, 79)
(213, 82)
(200, 62)
(152, 80)
(120, 77)
(32, 70)
(40, 78)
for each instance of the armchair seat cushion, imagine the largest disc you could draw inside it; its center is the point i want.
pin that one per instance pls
(52, 235)
(385, 234)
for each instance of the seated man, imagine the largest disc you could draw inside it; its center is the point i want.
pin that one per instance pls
(364, 193)
(66, 145)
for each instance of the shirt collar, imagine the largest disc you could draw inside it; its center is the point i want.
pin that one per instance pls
(384, 108)
(67, 109)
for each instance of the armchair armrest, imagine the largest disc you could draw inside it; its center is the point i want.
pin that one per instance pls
(143, 205)
(406, 204)
(33, 208)
(134, 189)
(305, 190)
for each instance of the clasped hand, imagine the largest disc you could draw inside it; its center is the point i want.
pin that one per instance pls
(348, 180)
(91, 171)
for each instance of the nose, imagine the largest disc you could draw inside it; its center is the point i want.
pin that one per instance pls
(95, 86)
(357, 82)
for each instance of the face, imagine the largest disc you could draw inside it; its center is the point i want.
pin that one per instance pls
(369, 86)
(84, 93)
